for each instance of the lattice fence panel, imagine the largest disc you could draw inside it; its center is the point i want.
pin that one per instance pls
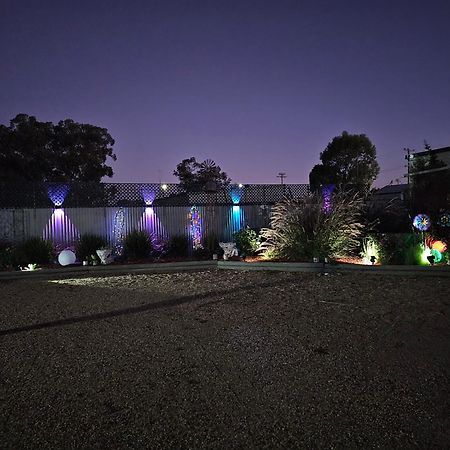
(82, 195)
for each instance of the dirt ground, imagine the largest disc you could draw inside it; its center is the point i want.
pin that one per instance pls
(224, 359)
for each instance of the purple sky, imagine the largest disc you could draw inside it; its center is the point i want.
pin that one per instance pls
(258, 86)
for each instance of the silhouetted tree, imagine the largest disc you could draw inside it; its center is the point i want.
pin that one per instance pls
(41, 151)
(195, 176)
(348, 160)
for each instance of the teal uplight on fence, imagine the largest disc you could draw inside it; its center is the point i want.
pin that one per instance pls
(236, 193)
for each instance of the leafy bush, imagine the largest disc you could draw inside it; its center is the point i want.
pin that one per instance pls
(301, 228)
(87, 245)
(247, 241)
(178, 245)
(34, 251)
(137, 245)
(211, 245)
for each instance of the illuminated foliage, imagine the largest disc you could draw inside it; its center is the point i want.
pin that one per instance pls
(371, 248)
(301, 228)
(247, 241)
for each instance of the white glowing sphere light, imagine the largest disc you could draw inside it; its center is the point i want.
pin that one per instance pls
(66, 257)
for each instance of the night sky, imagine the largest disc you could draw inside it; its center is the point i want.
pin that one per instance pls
(258, 86)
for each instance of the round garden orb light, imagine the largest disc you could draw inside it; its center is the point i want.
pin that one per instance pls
(422, 222)
(66, 257)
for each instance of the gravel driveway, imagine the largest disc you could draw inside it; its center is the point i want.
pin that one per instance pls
(223, 359)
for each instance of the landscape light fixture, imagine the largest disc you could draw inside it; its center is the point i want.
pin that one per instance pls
(373, 259)
(164, 187)
(431, 259)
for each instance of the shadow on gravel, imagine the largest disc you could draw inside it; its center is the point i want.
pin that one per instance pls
(170, 303)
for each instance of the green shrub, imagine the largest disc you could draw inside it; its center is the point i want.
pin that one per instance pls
(302, 229)
(247, 241)
(178, 245)
(401, 248)
(211, 246)
(137, 245)
(34, 251)
(87, 246)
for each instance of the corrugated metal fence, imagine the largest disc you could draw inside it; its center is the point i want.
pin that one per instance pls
(64, 225)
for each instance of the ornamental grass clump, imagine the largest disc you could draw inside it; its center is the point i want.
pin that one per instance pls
(301, 229)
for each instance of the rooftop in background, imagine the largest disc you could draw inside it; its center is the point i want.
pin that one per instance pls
(445, 150)
(392, 193)
(392, 189)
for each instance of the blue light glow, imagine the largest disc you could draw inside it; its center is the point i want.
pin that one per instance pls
(236, 193)
(57, 193)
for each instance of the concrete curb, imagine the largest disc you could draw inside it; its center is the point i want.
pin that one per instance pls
(110, 270)
(442, 271)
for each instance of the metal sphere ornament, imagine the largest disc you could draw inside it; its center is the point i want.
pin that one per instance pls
(422, 222)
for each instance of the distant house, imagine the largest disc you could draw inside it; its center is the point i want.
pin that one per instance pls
(393, 193)
(430, 179)
(428, 161)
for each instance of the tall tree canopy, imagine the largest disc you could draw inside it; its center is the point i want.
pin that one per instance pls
(349, 159)
(195, 176)
(42, 151)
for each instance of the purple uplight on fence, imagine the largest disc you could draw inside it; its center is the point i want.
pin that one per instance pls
(151, 224)
(57, 193)
(327, 193)
(60, 230)
(148, 194)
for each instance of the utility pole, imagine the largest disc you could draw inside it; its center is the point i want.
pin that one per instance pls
(408, 174)
(407, 157)
(282, 176)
